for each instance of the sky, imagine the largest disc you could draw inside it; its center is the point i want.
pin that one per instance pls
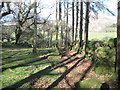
(111, 4)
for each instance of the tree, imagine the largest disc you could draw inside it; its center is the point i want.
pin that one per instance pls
(76, 31)
(7, 12)
(56, 23)
(22, 17)
(60, 22)
(66, 36)
(81, 24)
(86, 25)
(35, 28)
(72, 20)
(118, 44)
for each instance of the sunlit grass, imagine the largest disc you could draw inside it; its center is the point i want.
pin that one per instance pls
(102, 35)
(20, 63)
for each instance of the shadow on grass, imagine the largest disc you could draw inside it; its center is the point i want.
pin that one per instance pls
(25, 64)
(41, 73)
(10, 56)
(41, 52)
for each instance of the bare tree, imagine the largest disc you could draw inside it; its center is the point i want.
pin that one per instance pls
(22, 17)
(7, 12)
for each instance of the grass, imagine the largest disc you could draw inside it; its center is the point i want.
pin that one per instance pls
(113, 78)
(90, 83)
(19, 64)
(102, 35)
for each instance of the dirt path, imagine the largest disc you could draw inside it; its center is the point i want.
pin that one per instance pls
(77, 69)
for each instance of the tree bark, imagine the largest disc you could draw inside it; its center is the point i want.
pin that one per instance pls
(60, 21)
(118, 44)
(76, 31)
(51, 36)
(35, 29)
(81, 22)
(66, 36)
(81, 25)
(56, 23)
(18, 31)
(48, 39)
(86, 25)
(73, 21)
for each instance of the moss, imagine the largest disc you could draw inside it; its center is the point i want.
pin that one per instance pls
(113, 77)
(103, 70)
(91, 83)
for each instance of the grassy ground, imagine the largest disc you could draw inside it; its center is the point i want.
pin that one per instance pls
(102, 35)
(20, 63)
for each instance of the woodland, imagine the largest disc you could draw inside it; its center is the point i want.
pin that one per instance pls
(64, 52)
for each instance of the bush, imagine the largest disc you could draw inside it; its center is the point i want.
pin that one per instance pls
(103, 53)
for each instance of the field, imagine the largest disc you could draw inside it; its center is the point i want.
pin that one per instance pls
(102, 35)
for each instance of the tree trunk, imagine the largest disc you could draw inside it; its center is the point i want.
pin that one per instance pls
(51, 36)
(73, 21)
(18, 31)
(35, 29)
(76, 31)
(86, 25)
(48, 38)
(60, 21)
(118, 44)
(66, 36)
(64, 22)
(81, 25)
(18, 34)
(56, 24)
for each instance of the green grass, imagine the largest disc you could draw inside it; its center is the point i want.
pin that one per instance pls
(19, 64)
(102, 35)
(114, 77)
(91, 83)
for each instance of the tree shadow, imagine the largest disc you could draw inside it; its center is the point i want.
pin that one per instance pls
(19, 59)
(86, 71)
(55, 83)
(10, 56)
(25, 64)
(39, 74)
(41, 52)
